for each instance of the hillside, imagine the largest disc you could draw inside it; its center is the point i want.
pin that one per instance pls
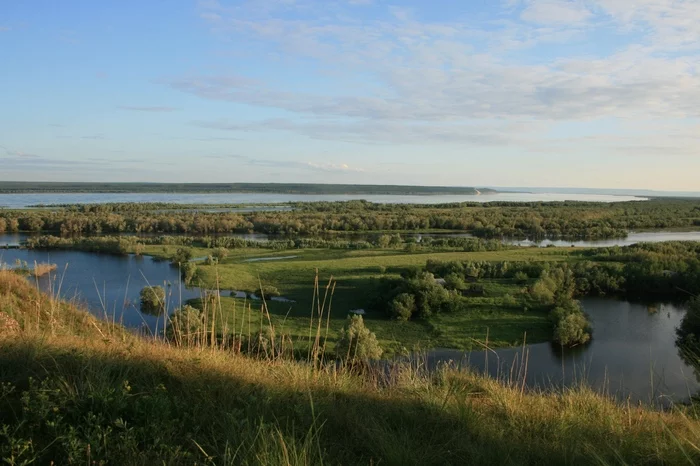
(76, 390)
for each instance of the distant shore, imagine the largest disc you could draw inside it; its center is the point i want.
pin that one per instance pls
(18, 187)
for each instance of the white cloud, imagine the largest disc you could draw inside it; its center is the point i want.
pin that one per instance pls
(403, 80)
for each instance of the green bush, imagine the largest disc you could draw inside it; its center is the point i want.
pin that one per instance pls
(357, 343)
(572, 330)
(267, 291)
(185, 325)
(182, 256)
(521, 277)
(153, 300)
(188, 270)
(403, 306)
(220, 254)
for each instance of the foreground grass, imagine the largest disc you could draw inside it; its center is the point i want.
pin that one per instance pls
(74, 390)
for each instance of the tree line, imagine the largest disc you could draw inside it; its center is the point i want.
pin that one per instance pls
(568, 220)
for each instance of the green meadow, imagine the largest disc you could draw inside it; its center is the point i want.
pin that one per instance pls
(493, 317)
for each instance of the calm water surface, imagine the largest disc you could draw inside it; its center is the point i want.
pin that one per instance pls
(632, 353)
(24, 200)
(107, 284)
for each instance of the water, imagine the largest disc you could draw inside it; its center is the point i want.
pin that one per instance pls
(108, 284)
(17, 201)
(632, 353)
(632, 238)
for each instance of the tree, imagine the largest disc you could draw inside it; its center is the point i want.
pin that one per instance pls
(153, 300)
(403, 306)
(357, 343)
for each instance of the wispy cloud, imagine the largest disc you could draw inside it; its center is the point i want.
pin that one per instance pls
(432, 80)
(136, 108)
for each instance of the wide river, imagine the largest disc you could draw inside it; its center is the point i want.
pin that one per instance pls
(17, 201)
(632, 353)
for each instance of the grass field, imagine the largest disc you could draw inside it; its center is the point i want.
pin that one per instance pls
(352, 272)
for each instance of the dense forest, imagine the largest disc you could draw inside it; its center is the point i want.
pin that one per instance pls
(278, 188)
(568, 220)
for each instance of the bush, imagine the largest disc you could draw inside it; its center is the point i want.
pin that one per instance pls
(188, 271)
(220, 254)
(185, 325)
(571, 327)
(211, 260)
(153, 300)
(357, 343)
(572, 330)
(402, 307)
(182, 256)
(455, 282)
(267, 291)
(521, 277)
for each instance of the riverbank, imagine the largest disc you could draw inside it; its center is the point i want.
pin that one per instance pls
(140, 401)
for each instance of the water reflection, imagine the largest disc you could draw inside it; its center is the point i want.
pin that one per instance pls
(632, 354)
(109, 285)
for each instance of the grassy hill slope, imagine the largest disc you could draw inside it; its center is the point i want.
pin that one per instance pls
(77, 391)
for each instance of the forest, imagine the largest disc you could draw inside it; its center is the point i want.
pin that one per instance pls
(566, 220)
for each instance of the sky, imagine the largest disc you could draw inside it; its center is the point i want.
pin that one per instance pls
(589, 93)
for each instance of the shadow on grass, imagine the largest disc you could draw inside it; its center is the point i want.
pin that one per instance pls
(70, 404)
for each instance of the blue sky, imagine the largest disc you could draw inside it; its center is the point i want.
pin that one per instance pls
(589, 93)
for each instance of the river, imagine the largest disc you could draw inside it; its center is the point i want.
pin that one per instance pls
(17, 201)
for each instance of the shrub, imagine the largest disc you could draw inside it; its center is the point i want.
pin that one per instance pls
(139, 249)
(572, 330)
(571, 327)
(267, 291)
(188, 271)
(153, 300)
(455, 282)
(357, 343)
(521, 277)
(403, 306)
(185, 325)
(211, 260)
(182, 256)
(220, 254)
